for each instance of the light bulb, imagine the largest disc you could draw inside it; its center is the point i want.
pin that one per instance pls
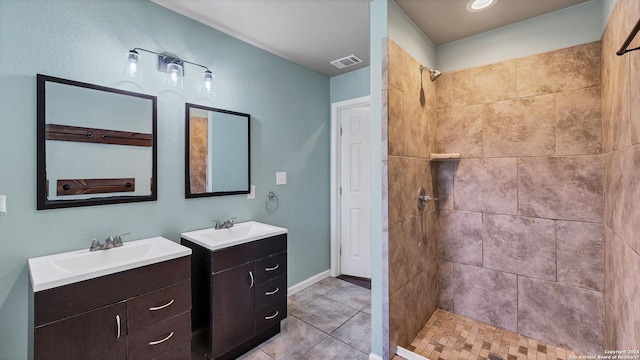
(131, 69)
(479, 5)
(174, 75)
(208, 85)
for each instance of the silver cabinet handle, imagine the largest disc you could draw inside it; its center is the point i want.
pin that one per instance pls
(162, 340)
(272, 316)
(118, 327)
(272, 292)
(251, 275)
(272, 268)
(162, 306)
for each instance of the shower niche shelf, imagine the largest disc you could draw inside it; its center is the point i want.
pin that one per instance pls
(444, 156)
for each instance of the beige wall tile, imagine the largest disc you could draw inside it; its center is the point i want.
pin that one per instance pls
(396, 122)
(398, 258)
(486, 295)
(523, 127)
(398, 184)
(635, 96)
(485, 84)
(622, 292)
(488, 185)
(571, 68)
(579, 116)
(581, 254)
(404, 71)
(561, 315)
(567, 188)
(445, 285)
(622, 184)
(460, 237)
(616, 98)
(460, 131)
(445, 171)
(416, 128)
(519, 245)
(444, 91)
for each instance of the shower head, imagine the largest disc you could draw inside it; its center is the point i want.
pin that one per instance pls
(433, 74)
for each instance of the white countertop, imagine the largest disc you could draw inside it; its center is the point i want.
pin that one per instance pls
(51, 271)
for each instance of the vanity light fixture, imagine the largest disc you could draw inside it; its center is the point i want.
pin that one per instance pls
(480, 5)
(173, 66)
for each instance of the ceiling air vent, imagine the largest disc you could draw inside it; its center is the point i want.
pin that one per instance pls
(346, 61)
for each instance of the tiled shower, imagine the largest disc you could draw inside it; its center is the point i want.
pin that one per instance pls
(535, 229)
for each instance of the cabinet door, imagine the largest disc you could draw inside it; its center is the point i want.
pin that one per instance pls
(100, 334)
(233, 308)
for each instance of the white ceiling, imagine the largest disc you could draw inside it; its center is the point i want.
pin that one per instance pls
(312, 33)
(307, 32)
(444, 21)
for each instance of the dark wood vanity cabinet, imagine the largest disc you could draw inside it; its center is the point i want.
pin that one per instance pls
(142, 313)
(239, 296)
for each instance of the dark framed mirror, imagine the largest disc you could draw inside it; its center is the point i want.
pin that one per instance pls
(217, 149)
(96, 145)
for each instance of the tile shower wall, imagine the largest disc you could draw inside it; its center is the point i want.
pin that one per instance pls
(621, 139)
(520, 215)
(413, 283)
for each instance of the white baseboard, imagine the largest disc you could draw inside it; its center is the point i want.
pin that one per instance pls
(400, 351)
(373, 356)
(308, 282)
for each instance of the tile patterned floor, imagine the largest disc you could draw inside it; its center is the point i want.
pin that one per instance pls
(328, 320)
(448, 336)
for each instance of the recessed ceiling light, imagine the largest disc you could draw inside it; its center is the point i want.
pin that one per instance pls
(480, 5)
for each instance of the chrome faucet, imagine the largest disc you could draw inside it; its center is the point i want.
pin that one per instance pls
(224, 225)
(109, 242)
(228, 223)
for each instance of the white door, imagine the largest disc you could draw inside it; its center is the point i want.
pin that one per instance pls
(355, 187)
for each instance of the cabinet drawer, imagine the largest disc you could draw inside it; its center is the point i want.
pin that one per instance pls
(271, 292)
(271, 315)
(153, 341)
(181, 353)
(157, 306)
(251, 251)
(271, 267)
(68, 300)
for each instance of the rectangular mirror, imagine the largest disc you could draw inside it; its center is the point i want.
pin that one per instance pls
(96, 145)
(217, 152)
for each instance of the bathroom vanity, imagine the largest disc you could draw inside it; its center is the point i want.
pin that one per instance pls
(239, 287)
(132, 302)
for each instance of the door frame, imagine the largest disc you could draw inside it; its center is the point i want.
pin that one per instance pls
(336, 108)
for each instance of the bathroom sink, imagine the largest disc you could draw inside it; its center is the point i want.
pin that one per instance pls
(240, 233)
(66, 268)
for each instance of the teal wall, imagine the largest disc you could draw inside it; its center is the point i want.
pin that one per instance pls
(351, 85)
(575, 25)
(607, 9)
(87, 40)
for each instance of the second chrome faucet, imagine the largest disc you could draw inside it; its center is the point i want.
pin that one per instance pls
(109, 243)
(224, 225)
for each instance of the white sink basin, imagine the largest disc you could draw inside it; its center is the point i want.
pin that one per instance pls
(240, 233)
(66, 268)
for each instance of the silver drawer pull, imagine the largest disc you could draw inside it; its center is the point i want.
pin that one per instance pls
(272, 268)
(251, 275)
(162, 306)
(118, 326)
(272, 316)
(272, 292)
(161, 341)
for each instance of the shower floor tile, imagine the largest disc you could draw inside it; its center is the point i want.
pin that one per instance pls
(448, 336)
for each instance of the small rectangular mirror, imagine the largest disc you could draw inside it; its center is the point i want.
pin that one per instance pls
(217, 152)
(96, 145)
